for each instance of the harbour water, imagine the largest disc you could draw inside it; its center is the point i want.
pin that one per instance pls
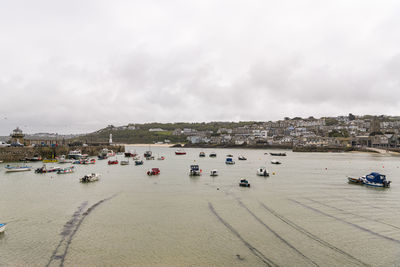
(304, 214)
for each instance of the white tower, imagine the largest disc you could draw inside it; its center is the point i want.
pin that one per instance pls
(110, 141)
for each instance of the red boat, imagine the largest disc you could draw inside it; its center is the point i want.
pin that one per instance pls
(154, 171)
(112, 162)
(180, 152)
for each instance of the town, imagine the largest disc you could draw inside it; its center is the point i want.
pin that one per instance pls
(301, 134)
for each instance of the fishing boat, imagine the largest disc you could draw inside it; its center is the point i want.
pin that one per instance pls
(124, 162)
(75, 154)
(274, 161)
(63, 159)
(194, 170)
(2, 227)
(214, 173)
(90, 178)
(373, 179)
(202, 154)
(278, 154)
(153, 171)
(262, 171)
(138, 162)
(17, 168)
(229, 161)
(180, 152)
(213, 155)
(244, 183)
(66, 170)
(112, 162)
(241, 157)
(44, 169)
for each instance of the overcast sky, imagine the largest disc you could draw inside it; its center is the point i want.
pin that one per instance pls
(73, 66)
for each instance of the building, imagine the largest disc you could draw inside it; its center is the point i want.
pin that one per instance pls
(17, 137)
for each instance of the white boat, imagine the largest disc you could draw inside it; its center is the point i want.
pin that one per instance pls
(241, 157)
(75, 154)
(274, 161)
(63, 160)
(2, 227)
(17, 168)
(124, 162)
(214, 173)
(90, 178)
(262, 171)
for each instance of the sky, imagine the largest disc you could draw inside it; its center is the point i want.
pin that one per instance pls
(78, 66)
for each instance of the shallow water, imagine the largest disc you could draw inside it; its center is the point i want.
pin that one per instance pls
(306, 214)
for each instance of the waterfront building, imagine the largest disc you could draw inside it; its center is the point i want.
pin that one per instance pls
(17, 137)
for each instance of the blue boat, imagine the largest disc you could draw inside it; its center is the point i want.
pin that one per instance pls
(373, 179)
(229, 161)
(2, 227)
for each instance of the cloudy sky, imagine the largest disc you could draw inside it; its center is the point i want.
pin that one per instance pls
(73, 66)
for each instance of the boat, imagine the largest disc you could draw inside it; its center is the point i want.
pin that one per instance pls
(214, 173)
(44, 169)
(373, 179)
(262, 171)
(229, 156)
(213, 155)
(150, 158)
(124, 162)
(90, 178)
(274, 161)
(242, 157)
(153, 171)
(194, 170)
(161, 158)
(50, 160)
(2, 227)
(17, 168)
(229, 161)
(202, 154)
(33, 159)
(63, 159)
(112, 162)
(244, 183)
(147, 154)
(278, 154)
(101, 157)
(130, 154)
(180, 152)
(66, 170)
(138, 162)
(75, 154)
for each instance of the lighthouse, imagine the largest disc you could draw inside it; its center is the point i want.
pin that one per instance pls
(110, 141)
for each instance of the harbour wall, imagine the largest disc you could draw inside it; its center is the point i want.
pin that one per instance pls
(9, 154)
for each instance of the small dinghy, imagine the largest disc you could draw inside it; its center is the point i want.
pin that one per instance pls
(194, 170)
(262, 171)
(2, 227)
(153, 171)
(244, 183)
(138, 162)
(274, 161)
(214, 173)
(124, 162)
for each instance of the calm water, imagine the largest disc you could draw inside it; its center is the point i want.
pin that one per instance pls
(306, 214)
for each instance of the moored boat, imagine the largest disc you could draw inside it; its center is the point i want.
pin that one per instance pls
(44, 169)
(90, 178)
(50, 160)
(33, 159)
(244, 183)
(180, 152)
(2, 227)
(262, 171)
(214, 173)
(194, 170)
(75, 154)
(17, 168)
(278, 154)
(202, 154)
(66, 170)
(274, 161)
(213, 155)
(63, 159)
(147, 154)
(112, 162)
(124, 162)
(153, 171)
(229, 161)
(241, 157)
(161, 158)
(138, 162)
(373, 179)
